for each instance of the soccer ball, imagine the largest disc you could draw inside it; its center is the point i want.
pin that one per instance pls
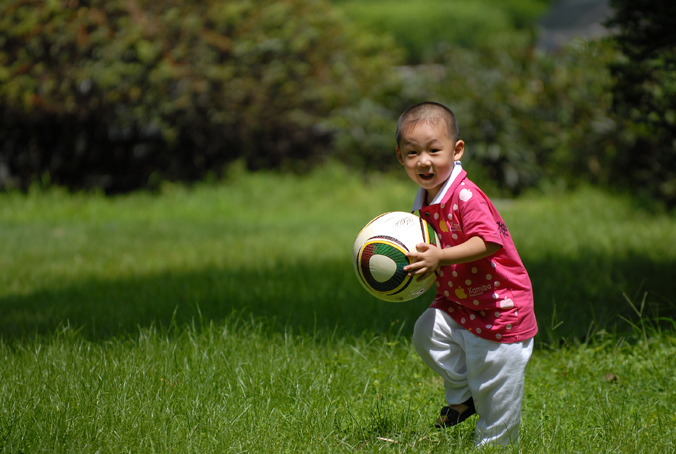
(379, 255)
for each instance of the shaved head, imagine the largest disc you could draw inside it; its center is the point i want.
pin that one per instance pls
(431, 113)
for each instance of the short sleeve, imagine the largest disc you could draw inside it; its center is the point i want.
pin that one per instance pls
(476, 217)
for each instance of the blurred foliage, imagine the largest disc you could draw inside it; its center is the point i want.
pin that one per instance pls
(644, 95)
(122, 93)
(427, 28)
(528, 118)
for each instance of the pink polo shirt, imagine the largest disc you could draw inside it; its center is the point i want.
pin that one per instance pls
(492, 297)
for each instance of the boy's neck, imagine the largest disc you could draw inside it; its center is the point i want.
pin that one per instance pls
(429, 198)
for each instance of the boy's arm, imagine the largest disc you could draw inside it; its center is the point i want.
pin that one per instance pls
(428, 258)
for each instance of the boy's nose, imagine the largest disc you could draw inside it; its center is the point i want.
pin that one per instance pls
(424, 161)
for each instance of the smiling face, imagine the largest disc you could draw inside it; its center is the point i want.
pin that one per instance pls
(428, 155)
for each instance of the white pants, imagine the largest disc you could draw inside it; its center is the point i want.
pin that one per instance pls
(492, 373)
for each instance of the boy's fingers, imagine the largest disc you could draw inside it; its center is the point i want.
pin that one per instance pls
(413, 271)
(413, 266)
(422, 247)
(414, 256)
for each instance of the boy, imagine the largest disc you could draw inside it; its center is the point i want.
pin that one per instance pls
(478, 332)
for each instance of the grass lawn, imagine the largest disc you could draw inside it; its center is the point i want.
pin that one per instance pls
(227, 318)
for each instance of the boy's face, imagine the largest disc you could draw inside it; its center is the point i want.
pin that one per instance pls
(428, 155)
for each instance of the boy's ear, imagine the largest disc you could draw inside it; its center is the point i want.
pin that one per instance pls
(399, 157)
(459, 150)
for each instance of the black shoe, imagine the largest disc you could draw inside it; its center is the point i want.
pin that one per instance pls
(450, 417)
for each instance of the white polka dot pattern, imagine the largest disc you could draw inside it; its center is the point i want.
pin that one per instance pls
(479, 295)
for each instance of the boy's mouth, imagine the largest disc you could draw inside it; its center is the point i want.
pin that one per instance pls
(426, 176)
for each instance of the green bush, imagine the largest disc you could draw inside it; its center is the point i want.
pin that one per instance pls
(117, 93)
(527, 118)
(426, 28)
(644, 96)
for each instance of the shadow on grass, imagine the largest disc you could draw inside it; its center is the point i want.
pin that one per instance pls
(579, 295)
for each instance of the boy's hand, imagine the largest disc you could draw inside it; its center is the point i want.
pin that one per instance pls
(425, 261)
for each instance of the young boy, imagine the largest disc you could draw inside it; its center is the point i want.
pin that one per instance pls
(478, 333)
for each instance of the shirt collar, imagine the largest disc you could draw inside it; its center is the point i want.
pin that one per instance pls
(422, 193)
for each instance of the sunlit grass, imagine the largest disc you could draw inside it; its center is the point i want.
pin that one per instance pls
(238, 386)
(280, 246)
(227, 318)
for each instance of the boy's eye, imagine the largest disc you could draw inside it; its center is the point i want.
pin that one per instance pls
(434, 150)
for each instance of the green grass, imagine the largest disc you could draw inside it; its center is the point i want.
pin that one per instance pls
(238, 386)
(280, 247)
(227, 318)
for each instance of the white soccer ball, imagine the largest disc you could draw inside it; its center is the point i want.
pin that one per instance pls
(379, 255)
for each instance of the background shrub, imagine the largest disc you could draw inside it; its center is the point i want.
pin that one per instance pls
(122, 94)
(528, 118)
(426, 28)
(644, 96)
(584, 113)
(115, 94)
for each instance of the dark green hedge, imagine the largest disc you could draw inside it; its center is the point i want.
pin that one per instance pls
(117, 93)
(121, 94)
(644, 95)
(424, 28)
(528, 118)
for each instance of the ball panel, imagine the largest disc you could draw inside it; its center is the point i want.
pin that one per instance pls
(370, 223)
(382, 267)
(382, 246)
(429, 233)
